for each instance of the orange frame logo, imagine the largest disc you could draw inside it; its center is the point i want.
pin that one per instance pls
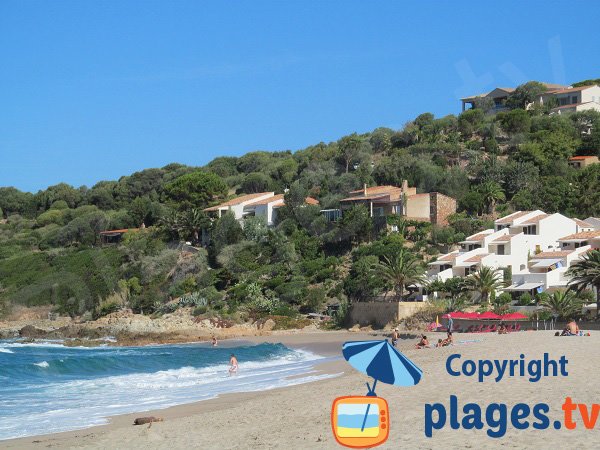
(360, 421)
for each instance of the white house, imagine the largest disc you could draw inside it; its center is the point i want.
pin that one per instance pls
(262, 204)
(531, 245)
(567, 98)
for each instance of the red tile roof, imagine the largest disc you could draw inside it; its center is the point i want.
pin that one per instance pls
(572, 89)
(546, 255)
(476, 258)
(535, 220)
(121, 231)
(377, 190)
(504, 238)
(477, 237)
(307, 201)
(268, 200)
(238, 200)
(582, 158)
(509, 219)
(583, 223)
(450, 257)
(582, 236)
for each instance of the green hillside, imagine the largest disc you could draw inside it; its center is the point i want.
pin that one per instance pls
(492, 164)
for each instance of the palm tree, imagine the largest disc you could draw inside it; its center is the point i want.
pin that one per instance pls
(562, 303)
(585, 273)
(484, 282)
(400, 270)
(492, 193)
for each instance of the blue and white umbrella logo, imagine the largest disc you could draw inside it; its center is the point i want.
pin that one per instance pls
(384, 363)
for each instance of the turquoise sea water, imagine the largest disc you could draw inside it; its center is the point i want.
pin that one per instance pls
(46, 387)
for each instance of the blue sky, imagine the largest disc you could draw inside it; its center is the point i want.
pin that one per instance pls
(95, 90)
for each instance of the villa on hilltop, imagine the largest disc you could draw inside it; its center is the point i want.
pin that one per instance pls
(567, 98)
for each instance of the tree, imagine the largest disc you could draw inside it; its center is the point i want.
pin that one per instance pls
(469, 121)
(13, 201)
(226, 231)
(255, 182)
(400, 270)
(356, 224)
(485, 282)
(525, 94)
(491, 193)
(562, 303)
(190, 223)
(588, 191)
(196, 190)
(515, 121)
(349, 147)
(585, 273)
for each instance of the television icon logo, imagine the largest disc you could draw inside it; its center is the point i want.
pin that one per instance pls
(360, 421)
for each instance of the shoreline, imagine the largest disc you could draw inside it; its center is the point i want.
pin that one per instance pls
(298, 416)
(306, 341)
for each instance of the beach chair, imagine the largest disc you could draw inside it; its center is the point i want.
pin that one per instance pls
(485, 329)
(493, 329)
(478, 329)
(518, 327)
(470, 329)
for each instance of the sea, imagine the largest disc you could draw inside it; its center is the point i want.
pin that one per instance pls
(46, 387)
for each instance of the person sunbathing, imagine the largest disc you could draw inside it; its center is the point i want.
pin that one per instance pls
(423, 342)
(572, 329)
(502, 329)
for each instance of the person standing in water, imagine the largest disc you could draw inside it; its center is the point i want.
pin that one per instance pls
(233, 365)
(214, 341)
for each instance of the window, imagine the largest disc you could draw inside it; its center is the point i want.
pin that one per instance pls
(474, 246)
(574, 99)
(501, 249)
(378, 211)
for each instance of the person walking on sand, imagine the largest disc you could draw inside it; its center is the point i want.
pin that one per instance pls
(450, 322)
(233, 365)
(395, 337)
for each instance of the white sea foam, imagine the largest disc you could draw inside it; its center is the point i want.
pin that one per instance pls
(5, 350)
(43, 364)
(69, 405)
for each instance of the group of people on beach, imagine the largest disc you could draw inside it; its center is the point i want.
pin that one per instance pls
(424, 342)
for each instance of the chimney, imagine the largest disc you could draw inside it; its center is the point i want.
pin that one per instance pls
(404, 186)
(365, 189)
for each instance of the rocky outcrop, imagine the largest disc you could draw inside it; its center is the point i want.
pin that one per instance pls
(29, 331)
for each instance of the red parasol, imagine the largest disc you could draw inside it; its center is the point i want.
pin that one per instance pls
(489, 315)
(514, 316)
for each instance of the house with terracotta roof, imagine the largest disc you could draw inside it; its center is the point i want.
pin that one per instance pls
(498, 97)
(581, 162)
(262, 204)
(566, 98)
(530, 245)
(403, 201)
(573, 99)
(589, 239)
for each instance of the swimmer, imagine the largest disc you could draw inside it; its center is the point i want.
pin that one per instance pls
(233, 362)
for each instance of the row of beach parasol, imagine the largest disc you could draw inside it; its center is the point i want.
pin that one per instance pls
(488, 315)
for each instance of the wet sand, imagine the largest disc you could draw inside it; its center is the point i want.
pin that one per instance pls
(298, 417)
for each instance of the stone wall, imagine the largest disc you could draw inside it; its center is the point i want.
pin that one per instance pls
(382, 313)
(441, 206)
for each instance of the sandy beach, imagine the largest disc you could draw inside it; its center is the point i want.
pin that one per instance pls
(298, 417)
